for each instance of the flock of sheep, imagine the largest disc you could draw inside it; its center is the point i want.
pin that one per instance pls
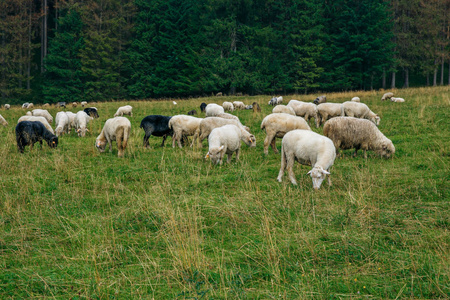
(348, 125)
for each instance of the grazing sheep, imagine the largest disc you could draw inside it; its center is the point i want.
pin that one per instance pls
(356, 99)
(30, 132)
(30, 105)
(277, 125)
(213, 110)
(124, 110)
(219, 94)
(3, 121)
(349, 133)
(7, 106)
(276, 100)
(25, 105)
(249, 106)
(92, 112)
(387, 96)
(283, 109)
(38, 119)
(83, 103)
(62, 123)
(202, 107)
(156, 125)
(81, 121)
(74, 104)
(116, 129)
(227, 140)
(46, 105)
(238, 105)
(61, 104)
(327, 111)
(192, 112)
(71, 117)
(320, 99)
(184, 126)
(208, 124)
(305, 110)
(397, 99)
(42, 113)
(228, 116)
(308, 148)
(228, 106)
(256, 107)
(360, 110)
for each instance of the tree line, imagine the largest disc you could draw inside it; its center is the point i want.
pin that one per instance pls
(72, 50)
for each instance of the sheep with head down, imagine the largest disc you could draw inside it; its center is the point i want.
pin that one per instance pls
(208, 124)
(38, 119)
(305, 110)
(3, 121)
(212, 110)
(115, 129)
(360, 110)
(327, 111)
(184, 126)
(124, 110)
(283, 109)
(43, 113)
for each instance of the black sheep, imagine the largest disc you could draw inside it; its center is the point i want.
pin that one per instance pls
(30, 132)
(202, 107)
(192, 112)
(156, 125)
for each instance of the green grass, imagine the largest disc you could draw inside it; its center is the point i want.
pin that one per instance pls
(163, 223)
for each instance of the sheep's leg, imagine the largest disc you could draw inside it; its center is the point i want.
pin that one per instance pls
(238, 151)
(283, 165)
(179, 137)
(194, 139)
(164, 139)
(273, 145)
(267, 141)
(146, 137)
(290, 168)
(329, 177)
(229, 155)
(356, 152)
(174, 137)
(109, 144)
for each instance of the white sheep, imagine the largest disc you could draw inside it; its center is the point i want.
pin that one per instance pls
(81, 121)
(183, 126)
(7, 106)
(45, 105)
(212, 110)
(308, 148)
(306, 110)
(74, 104)
(387, 96)
(71, 116)
(228, 116)
(124, 110)
(356, 99)
(228, 106)
(279, 100)
(397, 99)
(277, 125)
(62, 123)
(360, 110)
(208, 124)
(329, 110)
(39, 119)
(25, 105)
(354, 133)
(238, 105)
(283, 109)
(42, 113)
(116, 129)
(3, 121)
(31, 105)
(226, 140)
(83, 103)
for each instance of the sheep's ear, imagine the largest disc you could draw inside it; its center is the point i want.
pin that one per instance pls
(78, 130)
(87, 129)
(309, 172)
(221, 148)
(207, 155)
(326, 172)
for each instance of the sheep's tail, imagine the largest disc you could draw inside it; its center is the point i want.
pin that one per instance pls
(126, 135)
(170, 124)
(263, 125)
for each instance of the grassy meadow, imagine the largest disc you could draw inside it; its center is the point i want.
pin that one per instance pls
(163, 223)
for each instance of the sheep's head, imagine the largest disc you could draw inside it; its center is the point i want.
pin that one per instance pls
(101, 145)
(82, 131)
(250, 141)
(215, 154)
(377, 120)
(53, 142)
(387, 149)
(318, 174)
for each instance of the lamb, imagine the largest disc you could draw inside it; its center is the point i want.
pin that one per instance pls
(30, 132)
(71, 117)
(202, 107)
(360, 110)
(83, 103)
(256, 107)
(356, 99)
(183, 126)
(228, 106)
(387, 96)
(3, 121)
(124, 110)
(277, 125)
(329, 110)
(239, 105)
(42, 113)
(226, 140)
(320, 99)
(213, 110)
(7, 106)
(92, 112)
(38, 119)
(308, 148)
(156, 125)
(62, 123)
(349, 133)
(276, 100)
(208, 124)
(116, 129)
(283, 109)
(397, 99)
(305, 109)
(81, 121)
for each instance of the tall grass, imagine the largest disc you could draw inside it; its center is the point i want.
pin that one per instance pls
(163, 223)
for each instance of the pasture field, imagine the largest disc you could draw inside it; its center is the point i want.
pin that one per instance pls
(163, 223)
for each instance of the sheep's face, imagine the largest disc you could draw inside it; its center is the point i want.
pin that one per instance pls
(82, 131)
(53, 142)
(318, 175)
(101, 145)
(377, 120)
(216, 155)
(387, 150)
(251, 141)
